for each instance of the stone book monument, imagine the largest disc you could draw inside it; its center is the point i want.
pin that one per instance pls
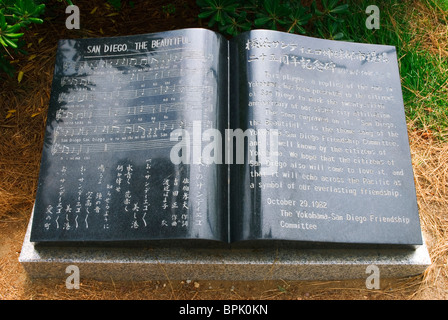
(267, 156)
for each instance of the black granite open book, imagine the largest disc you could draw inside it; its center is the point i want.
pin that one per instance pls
(186, 135)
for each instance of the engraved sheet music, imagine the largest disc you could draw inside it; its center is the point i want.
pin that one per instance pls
(115, 102)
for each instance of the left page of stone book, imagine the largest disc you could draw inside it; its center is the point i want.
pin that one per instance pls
(121, 161)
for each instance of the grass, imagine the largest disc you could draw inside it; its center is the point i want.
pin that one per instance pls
(419, 30)
(439, 4)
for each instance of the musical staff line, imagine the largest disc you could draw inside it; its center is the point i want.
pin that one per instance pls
(131, 111)
(121, 77)
(144, 128)
(132, 94)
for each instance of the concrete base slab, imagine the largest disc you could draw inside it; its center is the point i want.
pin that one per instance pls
(176, 263)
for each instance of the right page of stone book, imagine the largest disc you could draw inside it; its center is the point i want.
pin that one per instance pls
(330, 117)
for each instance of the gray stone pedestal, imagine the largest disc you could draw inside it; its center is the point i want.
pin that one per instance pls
(226, 264)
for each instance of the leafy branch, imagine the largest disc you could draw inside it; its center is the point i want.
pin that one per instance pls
(15, 16)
